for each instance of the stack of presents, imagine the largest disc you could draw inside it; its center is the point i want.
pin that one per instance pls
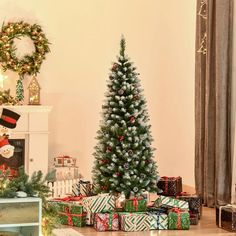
(173, 209)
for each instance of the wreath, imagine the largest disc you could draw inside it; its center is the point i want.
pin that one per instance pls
(29, 64)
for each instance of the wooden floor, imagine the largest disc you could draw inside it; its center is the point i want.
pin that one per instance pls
(206, 226)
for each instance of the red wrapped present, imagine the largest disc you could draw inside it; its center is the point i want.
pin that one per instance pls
(106, 221)
(171, 186)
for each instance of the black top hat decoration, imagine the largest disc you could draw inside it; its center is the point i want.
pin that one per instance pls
(9, 118)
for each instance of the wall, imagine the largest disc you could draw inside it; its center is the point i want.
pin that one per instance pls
(85, 40)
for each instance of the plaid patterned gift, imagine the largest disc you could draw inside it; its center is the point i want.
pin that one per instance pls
(158, 220)
(106, 221)
(135, 205)
(134, 221)
(171, 186)
(169, 202)
(193, 218)
(194, 201)
(178, 219)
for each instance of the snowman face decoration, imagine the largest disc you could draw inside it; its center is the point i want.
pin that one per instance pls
(4, 131)
(7, 151)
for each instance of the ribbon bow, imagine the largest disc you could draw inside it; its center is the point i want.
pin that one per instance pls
(69, 199)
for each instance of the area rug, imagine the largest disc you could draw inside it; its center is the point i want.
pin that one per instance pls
(66, 232)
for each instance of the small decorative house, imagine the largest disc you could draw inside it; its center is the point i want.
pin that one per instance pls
(34, 92)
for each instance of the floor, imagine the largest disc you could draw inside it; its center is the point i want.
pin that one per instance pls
(206, 226)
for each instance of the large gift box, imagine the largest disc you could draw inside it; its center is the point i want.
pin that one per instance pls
(71, 214)
(194, 201)
(171, 186)
(169, 202)
(106, 221)
(95, 204)
(158, 220)
(134, 221)
(178, 219)
(226, 217)
(135, 205)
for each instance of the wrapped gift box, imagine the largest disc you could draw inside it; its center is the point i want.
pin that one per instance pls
(194, 218)
(226, 217)
(66, 173)
(134, 221)
(106, 221)
(135, 205)
(169, 202)
(158, 220)
(71, 214)
(194, 201)
(84, 188)
(99, 203)
(178, 219)
(171, 186)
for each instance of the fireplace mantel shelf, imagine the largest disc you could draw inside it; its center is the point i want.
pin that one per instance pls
(29, 108)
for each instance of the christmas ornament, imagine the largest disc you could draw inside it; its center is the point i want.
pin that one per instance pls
(132, 119)
(114, 67)
(135, 189)
(109, 149)
(121, 92)
(117, 173)
(126, 166)
(121, 138)
(142, 176)
(130, 152)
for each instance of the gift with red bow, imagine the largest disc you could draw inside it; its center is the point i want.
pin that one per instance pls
(71, 214)
(135, 205)
(106, 221)
(170, 186)
(178, 219)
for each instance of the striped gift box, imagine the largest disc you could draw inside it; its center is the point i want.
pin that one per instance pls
(169, 202)
(99, 203)
(134, 221)
(158, 220)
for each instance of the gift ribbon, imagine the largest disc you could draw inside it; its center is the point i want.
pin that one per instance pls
(107, 223)
(178, 212)
(69, 199)
(69, 215)
(135, 202)
(220, 211)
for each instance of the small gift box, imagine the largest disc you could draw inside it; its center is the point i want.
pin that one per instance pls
(171, 186)
(158, 220)
(194, 201)
(226, 217)
(84, 188)
(106, 221)
(178, 219)
(193, 218)
(71, 214)
(169, 202)
(135, 205)
(134, 221)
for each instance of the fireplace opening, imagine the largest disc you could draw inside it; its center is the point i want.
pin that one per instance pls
(13, 163)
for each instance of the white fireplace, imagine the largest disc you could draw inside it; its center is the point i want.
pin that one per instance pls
(32, 126)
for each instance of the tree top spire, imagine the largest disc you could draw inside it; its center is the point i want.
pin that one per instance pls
(122, 45)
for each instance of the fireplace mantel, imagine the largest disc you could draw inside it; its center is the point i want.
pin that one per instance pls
(33, 127)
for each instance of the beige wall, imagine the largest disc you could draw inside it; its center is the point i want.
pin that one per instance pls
(85, 39)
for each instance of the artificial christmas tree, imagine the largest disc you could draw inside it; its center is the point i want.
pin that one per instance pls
(19, 90)
(124, 156)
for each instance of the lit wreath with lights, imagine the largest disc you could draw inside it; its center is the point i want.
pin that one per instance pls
(29, 64)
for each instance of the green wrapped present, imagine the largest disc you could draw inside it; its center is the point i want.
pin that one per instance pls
(99, 203)
(169, 202)
(71, 214)
(135, 205)
(178, 219)
(158, 220)
(137, 221)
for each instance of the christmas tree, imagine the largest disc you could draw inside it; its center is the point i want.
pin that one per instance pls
(124, 156)
(19, 90)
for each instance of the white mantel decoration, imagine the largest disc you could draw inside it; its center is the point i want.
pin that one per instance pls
(33, 127)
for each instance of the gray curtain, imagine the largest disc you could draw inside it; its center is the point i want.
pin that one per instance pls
(213, 174)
